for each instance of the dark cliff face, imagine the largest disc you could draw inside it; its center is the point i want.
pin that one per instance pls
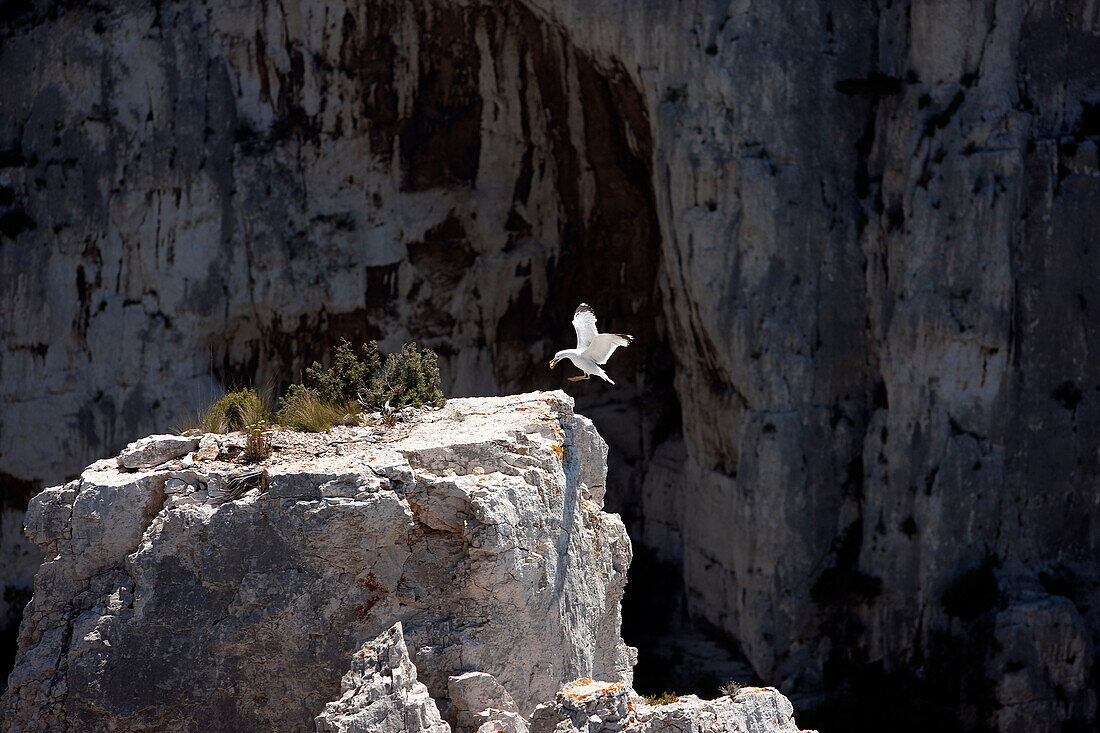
(856, 244)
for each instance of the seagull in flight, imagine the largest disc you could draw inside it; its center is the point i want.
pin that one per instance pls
(593, 348)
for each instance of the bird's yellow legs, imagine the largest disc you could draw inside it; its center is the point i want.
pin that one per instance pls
(577, 379)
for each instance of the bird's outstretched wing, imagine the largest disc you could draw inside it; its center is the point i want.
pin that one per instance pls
(604, 345)
(584, 321)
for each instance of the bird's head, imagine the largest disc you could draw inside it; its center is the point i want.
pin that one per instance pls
(557, 357)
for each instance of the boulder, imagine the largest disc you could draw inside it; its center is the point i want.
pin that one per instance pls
(155, 450)
(753, 710)
(475, 693)
(586, 705)
(500, 721)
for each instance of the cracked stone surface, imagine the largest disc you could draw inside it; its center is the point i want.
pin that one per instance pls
(158, 611)
(475, 697)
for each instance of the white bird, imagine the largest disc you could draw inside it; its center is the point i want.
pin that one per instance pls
(593, 348)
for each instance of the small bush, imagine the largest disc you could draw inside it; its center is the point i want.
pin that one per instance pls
(408, 377)
(232, 411)
(348, 375)
(257, 442)
(730, 688)
(665, 698)
(335, 395)
(303, 410)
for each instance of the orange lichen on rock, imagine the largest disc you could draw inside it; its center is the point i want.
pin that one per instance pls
(751, 690)
(587, 688)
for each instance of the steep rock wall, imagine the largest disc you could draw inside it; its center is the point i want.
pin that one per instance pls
(195, 197)
(869, 215)
(875, 227)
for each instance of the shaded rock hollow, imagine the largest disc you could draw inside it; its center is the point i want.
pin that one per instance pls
(866, 233)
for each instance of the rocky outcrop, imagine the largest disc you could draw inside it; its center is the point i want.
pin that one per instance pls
(293, 176)
(380, 693)
(473, 526)
(588, 706)
(872, 228)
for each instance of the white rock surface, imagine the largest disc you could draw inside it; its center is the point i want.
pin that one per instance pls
(381, 693)
(586, 705)
(475, 693)
(500, 721)
(754, 710)
(155, 450)
(170, 612)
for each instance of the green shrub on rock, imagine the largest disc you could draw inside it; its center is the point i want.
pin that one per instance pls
(409, 377)
(347, 376)
(664, 698)
(335, 395)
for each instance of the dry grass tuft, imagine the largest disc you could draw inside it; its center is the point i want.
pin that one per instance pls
(304, 410)
(234, 411)
(257, 442)
(730, 688)
(665, 698)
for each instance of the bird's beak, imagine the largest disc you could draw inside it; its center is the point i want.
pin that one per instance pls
(553, 362)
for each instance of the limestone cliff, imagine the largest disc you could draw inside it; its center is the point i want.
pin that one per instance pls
(856, 242)
(183, 590)
(166, 604)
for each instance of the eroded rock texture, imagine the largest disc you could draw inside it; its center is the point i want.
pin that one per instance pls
(589, 706)
(160, 608)
(380, 693)
(872, 227)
